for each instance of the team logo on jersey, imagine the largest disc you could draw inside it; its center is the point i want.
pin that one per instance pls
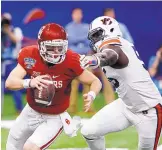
(55, 76)
(29, 62)
(58, 84)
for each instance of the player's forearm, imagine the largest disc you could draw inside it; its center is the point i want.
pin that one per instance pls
(98, 59)
(96, 86)
(14, 83)
(107, 58)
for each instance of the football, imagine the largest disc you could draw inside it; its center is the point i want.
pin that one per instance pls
(44, 96)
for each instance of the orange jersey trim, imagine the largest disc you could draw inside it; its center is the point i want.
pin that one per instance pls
(111, 41)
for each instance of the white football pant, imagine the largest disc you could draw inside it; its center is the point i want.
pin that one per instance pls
(34, 127)
(116, 117)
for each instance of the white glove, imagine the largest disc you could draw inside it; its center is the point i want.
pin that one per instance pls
(71, 126)
(89, 61)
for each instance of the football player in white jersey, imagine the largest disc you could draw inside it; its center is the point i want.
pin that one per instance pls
(139, 102)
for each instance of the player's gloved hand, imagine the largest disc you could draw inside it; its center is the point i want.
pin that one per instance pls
(38, 82)
(89, 61)
(88, 98)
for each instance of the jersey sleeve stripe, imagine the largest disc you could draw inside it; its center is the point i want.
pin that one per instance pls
(112, 41)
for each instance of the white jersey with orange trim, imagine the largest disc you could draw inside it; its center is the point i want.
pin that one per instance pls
(133, 83)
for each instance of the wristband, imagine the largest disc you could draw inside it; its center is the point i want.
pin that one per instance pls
(98, 60)
(92, 94)
(26, 83)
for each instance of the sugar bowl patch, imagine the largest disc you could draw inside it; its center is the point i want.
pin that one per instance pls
(29, 62)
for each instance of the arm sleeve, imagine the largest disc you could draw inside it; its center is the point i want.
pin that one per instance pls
(108, 58)
(75, 64)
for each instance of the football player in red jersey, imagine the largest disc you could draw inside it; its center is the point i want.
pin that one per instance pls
(37, 127)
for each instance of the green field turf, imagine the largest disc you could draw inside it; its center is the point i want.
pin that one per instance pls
(124, 139)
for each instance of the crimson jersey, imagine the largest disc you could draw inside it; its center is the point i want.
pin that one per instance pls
(62, 74)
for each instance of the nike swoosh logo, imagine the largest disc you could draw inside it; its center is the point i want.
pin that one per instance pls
(55, 76)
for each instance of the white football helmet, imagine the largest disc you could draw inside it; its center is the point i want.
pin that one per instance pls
(102, 28)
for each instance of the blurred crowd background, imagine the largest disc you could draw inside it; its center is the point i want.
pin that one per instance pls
(140, 23)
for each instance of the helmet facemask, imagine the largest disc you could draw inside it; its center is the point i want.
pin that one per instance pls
(95, 36)
(53, 51)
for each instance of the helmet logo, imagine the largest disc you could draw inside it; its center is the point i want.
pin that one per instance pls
(105, 21)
